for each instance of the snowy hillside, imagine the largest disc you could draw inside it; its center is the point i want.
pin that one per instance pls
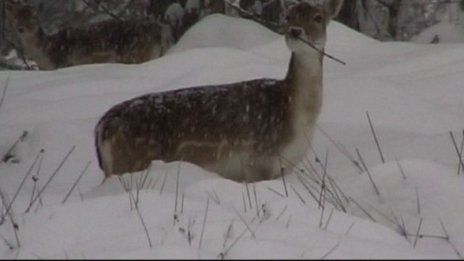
(411, 206)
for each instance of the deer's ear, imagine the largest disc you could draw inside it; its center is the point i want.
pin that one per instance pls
(333, 7)
(10, 6)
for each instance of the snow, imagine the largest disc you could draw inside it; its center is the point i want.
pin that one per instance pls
(445, 31)
(413, 94)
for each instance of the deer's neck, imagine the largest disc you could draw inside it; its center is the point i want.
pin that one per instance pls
(305, 78)
(37, 46)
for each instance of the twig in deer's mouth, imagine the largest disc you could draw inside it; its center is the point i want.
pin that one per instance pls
(320, 51)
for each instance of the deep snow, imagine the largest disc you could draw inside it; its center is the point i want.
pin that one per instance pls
(414, 96)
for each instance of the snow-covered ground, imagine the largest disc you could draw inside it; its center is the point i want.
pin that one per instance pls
(412, 92)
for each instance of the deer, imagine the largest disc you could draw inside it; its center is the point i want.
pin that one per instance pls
(243, 131)
(111, 41)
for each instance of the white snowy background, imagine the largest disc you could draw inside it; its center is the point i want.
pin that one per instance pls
(412, 92)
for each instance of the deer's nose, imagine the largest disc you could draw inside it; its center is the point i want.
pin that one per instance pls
(21, 30)
(295, 31)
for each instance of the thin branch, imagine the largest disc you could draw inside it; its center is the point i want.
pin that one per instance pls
(322, 52)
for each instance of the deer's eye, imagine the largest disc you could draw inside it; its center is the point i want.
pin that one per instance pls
(317, 18)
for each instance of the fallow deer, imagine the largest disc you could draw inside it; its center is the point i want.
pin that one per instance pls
(242, 131)
(112, 41)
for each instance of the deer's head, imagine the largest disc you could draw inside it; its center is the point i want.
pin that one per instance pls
(24, 18)
(309, 22)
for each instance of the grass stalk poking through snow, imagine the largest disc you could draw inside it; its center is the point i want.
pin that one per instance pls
(22, 183)
(368, 172)
(461, 169)
(375, 137)
(418, 232)
(204, 224)
(245, 223)
(458, 253)
(7, 154)
(5, 87)
(175, 216)
(461, 162)
(76, 182)
(51, 178)
(342, 149)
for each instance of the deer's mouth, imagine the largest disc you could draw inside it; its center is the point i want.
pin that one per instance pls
(295, 31)
(21, 30)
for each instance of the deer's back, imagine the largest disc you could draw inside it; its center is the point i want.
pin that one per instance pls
(110, 41)
(194, 124)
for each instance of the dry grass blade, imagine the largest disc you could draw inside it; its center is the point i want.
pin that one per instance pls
(5, 87)
(248, 195)
(457, 150)
(245, 223)
(328, 219)
(15, 230)
(21, 138)
(204, 224)
(76, 182)
(375, 137)
(7, 243)
(283, 181)
(256, 200)
(458, 253)
(331, 250)
(401, 170)
(368, 172)
(417, 233)
(342, 149)
(51, 178)
(281, 213)
(362, 209)
(22, 183)
(223, 254)
(461, 151)
(298, 195)
(143, 224)
(164, 183)
(275, 191)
